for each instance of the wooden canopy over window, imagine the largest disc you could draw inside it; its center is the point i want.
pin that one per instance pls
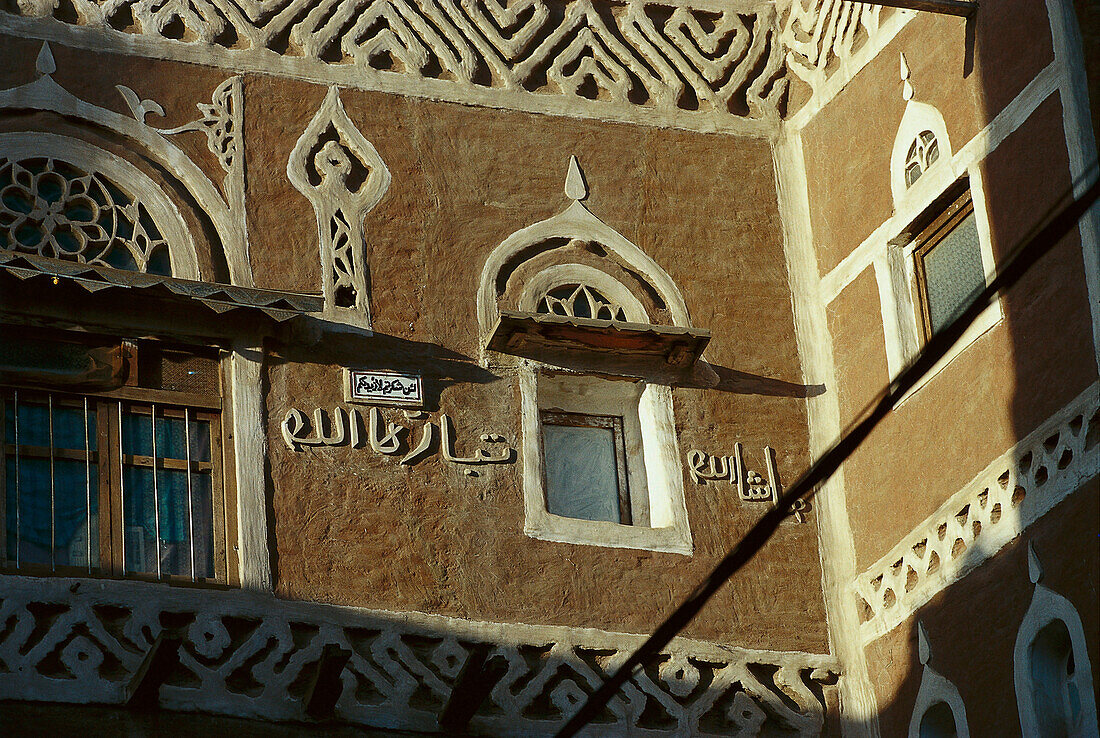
(533, 334)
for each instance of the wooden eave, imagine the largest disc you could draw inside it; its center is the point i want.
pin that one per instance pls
(534, 334)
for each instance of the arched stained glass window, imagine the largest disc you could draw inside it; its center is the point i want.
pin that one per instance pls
(922, 154)
(52, 208)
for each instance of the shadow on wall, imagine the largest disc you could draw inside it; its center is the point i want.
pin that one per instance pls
(1012, 645)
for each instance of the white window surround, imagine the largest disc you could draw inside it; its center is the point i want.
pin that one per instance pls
(895, 271)
(935, 689)
(653, 471)
(1046, 608)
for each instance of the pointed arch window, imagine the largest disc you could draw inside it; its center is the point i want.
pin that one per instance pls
(580, 301)
(923, 153)
(583, 315)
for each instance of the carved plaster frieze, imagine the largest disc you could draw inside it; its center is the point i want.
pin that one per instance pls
(343, 176)
(1013, 492)
(246, 654)
(702, 65)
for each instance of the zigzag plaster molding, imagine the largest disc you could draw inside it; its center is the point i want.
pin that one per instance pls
(1014, 491)
(245, 654)
(703, 66)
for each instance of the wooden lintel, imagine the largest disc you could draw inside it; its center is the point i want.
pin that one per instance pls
(324, 688)
(963, 8)
(160, 661)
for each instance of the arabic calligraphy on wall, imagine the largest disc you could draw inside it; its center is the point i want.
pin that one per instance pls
(347, 427)
(751, 487)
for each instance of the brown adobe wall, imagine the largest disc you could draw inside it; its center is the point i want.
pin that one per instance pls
(357, 529)
(847, 145)
(972, 625)
(352, 528)
(997, 390)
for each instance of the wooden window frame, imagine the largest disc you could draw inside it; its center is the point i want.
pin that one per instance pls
(931, 236)
(581, 420)
(108, 408)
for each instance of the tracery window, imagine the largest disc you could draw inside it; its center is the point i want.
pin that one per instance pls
(580, 301)
(52, 208)
(922, 154)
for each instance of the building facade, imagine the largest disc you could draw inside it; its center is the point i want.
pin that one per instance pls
(400, 365)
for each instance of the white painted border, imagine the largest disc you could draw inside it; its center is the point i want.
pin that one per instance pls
(858, 706)
(250, 450)
(1080, 142)
(653, 466)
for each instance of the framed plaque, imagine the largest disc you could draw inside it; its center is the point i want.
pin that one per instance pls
(375, 387)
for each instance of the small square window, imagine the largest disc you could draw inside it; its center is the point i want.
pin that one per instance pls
(584, 460)
(948, 265)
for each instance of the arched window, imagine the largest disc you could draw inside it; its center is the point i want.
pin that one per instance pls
(54, 208)
(922, 154)
(1054, 682)
(600, 462)
(64, 198)
(938, 722)
(1053, 674)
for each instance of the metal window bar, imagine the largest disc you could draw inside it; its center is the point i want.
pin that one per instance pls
(18, 493)
(156, 494)
(190, 508)
(122, 485)
(87, 490)
(53, 506)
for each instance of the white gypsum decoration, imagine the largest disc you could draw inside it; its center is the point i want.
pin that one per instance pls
(706, 65)
(330, 155)
(1014, 491)
(222, 122)
(249, 654)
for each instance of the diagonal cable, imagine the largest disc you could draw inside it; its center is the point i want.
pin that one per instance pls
(820, 471)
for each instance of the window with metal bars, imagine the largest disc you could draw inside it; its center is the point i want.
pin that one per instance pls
(127, 482)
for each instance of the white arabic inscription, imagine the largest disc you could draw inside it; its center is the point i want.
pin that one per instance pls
(346, 427)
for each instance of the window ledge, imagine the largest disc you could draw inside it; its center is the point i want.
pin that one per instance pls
(546, 526)
(990, 318)
(537, 334)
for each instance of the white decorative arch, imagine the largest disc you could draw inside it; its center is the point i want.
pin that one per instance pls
(559, 274)
(1048, 607)
(918, 118)
(935, 690)
(23, 145)
(47, 95)
(575, 222)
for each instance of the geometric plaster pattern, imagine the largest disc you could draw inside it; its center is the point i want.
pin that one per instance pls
(701, 64)
(342, 175)
(821, 36)
(251, 655)
(1013, 492)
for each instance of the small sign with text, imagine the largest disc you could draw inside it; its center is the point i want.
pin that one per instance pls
(385, 388)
